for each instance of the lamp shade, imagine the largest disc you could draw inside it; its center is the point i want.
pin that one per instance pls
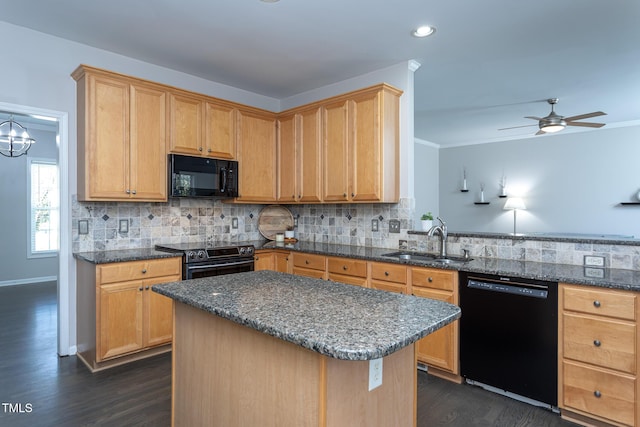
(514, 203)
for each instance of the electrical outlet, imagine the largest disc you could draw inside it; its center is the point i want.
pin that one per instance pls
(402, 244)
(234, 223)
(375, 373)
(124, 226)
(394, 226)
(295, 222)
(374, 225)
(594, 261)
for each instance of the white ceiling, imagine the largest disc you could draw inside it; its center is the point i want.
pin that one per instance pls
(489, 64)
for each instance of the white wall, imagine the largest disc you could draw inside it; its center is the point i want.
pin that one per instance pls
(15, 267)
(571, 183)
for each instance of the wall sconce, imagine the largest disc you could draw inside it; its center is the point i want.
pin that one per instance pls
(514, 204)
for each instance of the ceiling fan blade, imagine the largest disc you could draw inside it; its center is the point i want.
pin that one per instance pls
(586, 124)
(516, 127)
(540, 133)
(585, 116)
(533, 118)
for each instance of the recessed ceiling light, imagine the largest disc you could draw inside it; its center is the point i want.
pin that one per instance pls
(424, 31)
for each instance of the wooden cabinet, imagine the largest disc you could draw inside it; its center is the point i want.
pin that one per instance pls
(598, 360)
(309, 265)
(119, 317)
(257, 157)
(300, 157)
(388, 277)
(198, 126)
(121, 138)
(347, 270)
(361, 146)
(274, 260)
(439, 349)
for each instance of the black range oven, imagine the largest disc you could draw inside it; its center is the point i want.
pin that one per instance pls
(199, 260)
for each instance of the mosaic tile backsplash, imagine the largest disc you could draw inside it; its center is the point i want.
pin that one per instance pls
(195, 220)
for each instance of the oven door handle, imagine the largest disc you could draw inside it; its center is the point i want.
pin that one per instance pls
(209, 266)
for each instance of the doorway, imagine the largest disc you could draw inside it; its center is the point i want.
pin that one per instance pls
(65, 304)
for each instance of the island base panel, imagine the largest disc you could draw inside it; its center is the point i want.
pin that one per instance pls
(228, 374)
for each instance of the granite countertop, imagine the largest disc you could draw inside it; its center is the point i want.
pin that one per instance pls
(337, 320)
(604, 278)
(123, 255)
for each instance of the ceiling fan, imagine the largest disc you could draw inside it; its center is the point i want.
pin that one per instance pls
(555, 122)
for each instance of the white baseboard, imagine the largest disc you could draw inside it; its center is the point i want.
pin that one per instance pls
(29, 281)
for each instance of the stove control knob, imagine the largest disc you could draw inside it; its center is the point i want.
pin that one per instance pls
(191, 255)
(249, 250)
(243, 250)
(201, 255)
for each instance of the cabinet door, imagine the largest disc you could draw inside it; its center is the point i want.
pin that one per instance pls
(287, 163)
(158, 312)
(185, 124)
(103, 169)
(220, 131)
(282, 262)
(365, 150)
(310, 156)
(147, 134)
(439, 348)
(335, 152)
(263, 261)
(257, 157)
(120, 319)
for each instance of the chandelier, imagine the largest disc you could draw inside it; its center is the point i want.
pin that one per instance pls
(14, 139)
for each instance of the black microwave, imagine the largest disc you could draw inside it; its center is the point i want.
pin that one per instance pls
(202, 177)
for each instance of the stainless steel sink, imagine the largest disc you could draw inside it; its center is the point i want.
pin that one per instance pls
(422, 256)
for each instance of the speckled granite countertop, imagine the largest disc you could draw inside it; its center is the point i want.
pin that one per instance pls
(611, 278)
(122, 255)
(341, 321)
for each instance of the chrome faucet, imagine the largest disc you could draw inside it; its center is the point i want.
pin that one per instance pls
(442, 231)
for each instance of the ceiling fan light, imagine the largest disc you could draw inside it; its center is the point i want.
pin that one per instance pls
(424, 31)
(552, 128)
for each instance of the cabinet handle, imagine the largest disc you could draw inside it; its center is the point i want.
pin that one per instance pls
(386, 273)
(596, 304)
(293, 197)
(200, 149)
(430, 279)
(134, 191)
(144, 271)
(256, 258)
(597, 394)
(345, 268)
(146, 288)
(597, 343)
(140, 288)
(209, 150)
(128, 191)
(287, 258)
(306, 261)
(353, 195)
(344, 194)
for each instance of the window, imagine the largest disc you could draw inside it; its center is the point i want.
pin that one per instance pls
(44, 208)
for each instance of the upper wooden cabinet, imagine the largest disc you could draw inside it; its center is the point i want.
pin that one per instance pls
(300, 157)
(121, 138)
(257, 157)
(361, 146)
(201, 127)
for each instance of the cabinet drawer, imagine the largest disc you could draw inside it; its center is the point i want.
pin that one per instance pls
(133, 270)
(389, 272)
(600, 302)
(581, 386)
(347, 267)
(600, 341)
(433, 278)
(350, 280)
(389, 286)
(314, 262)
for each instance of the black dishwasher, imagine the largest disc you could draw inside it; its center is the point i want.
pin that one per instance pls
(509, 336)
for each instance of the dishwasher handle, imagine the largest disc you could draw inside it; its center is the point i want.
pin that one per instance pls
(533, 292)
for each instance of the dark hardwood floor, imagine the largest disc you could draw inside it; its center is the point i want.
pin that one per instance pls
(62, 391)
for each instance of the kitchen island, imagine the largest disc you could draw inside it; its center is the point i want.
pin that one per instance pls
(267, 348)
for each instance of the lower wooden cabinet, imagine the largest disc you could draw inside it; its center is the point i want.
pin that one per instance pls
(309, 265)
(347, 270)
(439, 349)
(119, 316)
(598, 360)
(389, 277)
(272, 260)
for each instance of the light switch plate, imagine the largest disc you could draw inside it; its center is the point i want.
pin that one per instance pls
(594, 261)
(374, 225)
(234, 223)
(83, 226)
(124, 226)
(394, 226)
